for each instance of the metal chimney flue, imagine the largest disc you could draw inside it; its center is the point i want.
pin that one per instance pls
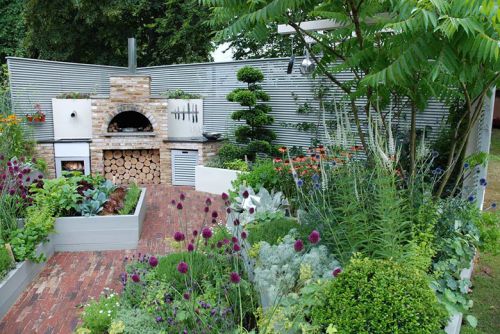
(132, 55)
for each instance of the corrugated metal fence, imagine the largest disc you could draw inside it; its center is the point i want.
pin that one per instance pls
(37, 81)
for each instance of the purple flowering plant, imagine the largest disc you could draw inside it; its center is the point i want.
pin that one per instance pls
(201, 288)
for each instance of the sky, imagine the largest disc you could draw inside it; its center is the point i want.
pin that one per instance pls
(219, 56)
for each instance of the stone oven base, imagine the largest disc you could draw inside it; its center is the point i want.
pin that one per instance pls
(127, 166)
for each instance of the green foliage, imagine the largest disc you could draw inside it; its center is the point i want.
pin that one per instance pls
(93, 32)
(236, 164)
(273, 229)
(229, 152)
(73, 95)
(11, 29)
(92, 203)
(38, 224)
(131, 198)
(6, 263)
(98, 314)
(379, 296)
(180, 94)
(256, 115)
(60, 193)
(250, 75)
(489, 229)
(262, 175)
(137, 321)
(456, 240)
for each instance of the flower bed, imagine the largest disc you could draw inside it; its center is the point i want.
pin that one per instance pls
(14, 283)
(214, 180)
(97, 233)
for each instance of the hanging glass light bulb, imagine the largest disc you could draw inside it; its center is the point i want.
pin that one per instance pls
(307, 66)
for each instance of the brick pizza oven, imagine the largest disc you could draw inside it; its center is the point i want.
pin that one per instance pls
(125, 136)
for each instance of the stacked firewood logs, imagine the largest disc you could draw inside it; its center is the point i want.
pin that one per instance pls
(126, 166)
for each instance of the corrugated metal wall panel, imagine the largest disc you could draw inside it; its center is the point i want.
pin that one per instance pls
(38, 81)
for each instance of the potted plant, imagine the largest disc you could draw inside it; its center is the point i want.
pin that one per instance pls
(38, 116)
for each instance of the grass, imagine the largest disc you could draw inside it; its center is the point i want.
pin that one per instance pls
(486, 279)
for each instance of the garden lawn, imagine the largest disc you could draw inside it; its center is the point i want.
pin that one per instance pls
(486, 279)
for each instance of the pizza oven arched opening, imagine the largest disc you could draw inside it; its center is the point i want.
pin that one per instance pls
(130, 121)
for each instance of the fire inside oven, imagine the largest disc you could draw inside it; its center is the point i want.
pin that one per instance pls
(73, 166)
(130, 121)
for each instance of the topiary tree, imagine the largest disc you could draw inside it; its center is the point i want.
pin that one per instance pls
(379, 296)
(256, 115)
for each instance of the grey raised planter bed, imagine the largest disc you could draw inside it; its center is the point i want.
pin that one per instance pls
(99, 233)
(13, 285)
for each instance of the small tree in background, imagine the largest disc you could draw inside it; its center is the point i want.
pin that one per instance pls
(256, 115)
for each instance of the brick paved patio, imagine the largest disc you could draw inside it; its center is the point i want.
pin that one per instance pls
(52, 302)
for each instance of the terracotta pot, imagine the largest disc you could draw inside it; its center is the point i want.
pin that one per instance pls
(29, 118)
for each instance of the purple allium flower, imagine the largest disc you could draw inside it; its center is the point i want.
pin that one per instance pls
(251, 210)
(234, 277)
(246, 194)
(123, 277)
(186, 296)
(182, 267)
(179, 206)
(136, 278)
(236, 247)
(219, 244)
(298, 245)
(40, 176)
(12, 192)
(228, 210)
(214, 221)
(206, 233)
(243, 235)
(195, 233)
(208, 201)
(182, 196)
(336, 271)
(28, 179)
(190, 247)
(225, 196)
(153, 261)
(314, 237)
(179, 236)
(159, 319)
(206, 209)
(173, 202)
(215, 214)
(234, 240)
(236, 222)
(225, 241)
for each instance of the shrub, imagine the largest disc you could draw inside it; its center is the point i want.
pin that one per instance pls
(131, 198)
(274, 230)
(255, 114)
(262, 174)
(6, 262)
(137, 321)
(379, 296)
(98, 315)
(230, 152)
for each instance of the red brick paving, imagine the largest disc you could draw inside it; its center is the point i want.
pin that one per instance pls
(51, 303)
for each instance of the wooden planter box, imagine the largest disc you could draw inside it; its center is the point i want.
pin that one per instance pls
(214, 180)
(16, 281)
(98, 233)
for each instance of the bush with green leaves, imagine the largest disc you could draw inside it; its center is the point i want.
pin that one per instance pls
(255, 113)
(6, 263)
(379, 296)
(262, 174)
(136, 321)
(38, 224)
(274, 229)
(99, 314)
